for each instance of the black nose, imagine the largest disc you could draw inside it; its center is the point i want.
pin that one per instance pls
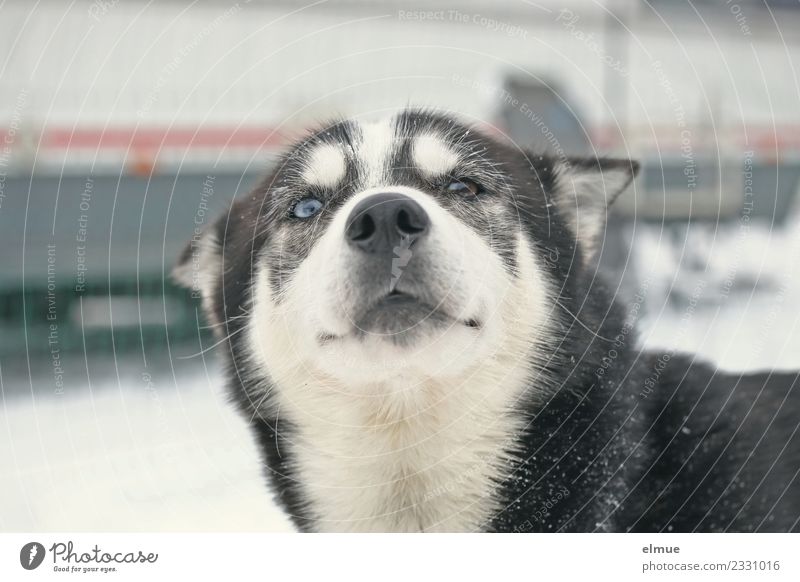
(381, 222)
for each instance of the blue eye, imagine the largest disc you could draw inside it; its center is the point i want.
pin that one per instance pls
(307, 208)
(464, 187)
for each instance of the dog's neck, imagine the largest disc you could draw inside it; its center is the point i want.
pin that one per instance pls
(408, 455)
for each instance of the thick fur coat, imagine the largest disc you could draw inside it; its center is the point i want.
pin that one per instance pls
(412, 322)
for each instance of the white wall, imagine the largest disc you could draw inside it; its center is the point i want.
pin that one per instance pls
(98, 63)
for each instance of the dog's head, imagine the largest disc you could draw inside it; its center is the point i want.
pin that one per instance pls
(413, 246)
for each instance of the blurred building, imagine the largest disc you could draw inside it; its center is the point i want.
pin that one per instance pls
(117, 115)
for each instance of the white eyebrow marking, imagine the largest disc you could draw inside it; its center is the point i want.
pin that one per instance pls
(325, 167)
(374, 148)
(433, 156)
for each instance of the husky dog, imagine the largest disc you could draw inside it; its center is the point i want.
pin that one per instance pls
(414, 327)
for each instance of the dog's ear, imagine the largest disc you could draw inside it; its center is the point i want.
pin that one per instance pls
(584, 188)
(199, 266)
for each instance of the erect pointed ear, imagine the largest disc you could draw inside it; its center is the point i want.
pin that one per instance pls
(584, 189)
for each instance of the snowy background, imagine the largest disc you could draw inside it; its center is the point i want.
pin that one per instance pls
(126, 454)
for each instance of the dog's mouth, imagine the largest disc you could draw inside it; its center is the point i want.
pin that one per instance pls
(399, 316)
(395, 299)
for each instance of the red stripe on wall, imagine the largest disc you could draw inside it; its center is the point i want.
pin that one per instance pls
(155, 138)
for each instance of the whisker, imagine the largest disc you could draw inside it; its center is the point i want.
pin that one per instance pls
(223, 323)
(257, 407)
(579, 322)
(211, 347)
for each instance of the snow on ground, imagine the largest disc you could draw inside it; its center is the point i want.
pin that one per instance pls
(132, 456)
(735, 293)
(171, 454)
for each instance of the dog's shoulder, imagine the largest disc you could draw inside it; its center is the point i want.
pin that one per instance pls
(722, 444)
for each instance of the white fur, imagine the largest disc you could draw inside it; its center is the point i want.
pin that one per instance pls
(433, 157)
(326, 166)
(394, 438)
(373, 150)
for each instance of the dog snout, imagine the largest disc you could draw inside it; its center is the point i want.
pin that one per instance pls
(381, 222)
